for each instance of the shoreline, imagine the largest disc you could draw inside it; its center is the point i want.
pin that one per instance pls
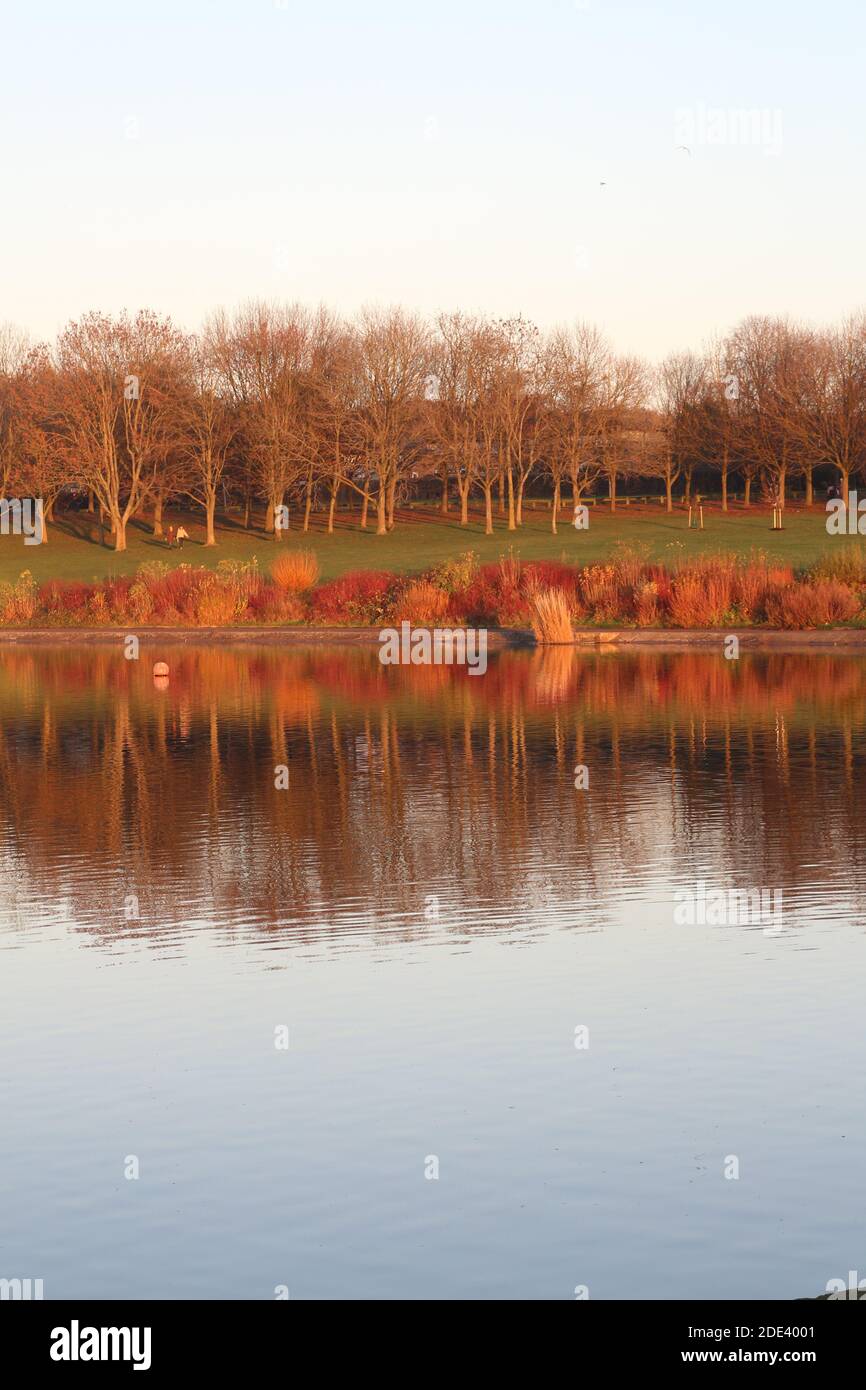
(498, 639)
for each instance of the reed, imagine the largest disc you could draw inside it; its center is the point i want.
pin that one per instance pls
(550, 616)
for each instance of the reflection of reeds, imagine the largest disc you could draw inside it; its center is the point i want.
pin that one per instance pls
(552, 672)
(550, 617)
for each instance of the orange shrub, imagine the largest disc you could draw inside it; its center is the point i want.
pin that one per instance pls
(97, 608)
(599, 590)
(750, 584)
(646, 604)
(216, 606)
(699, 600)
(275, 606)
(296, 571)
(812, 603)
(422, 602)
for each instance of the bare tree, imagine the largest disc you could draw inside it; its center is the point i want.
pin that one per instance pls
(576, 363)
(334, 408)
(829, 415)
(624, 389)
(115, 410)
(263, 355)
(14, 347)
(395, 356)
(766, 357)
(207, 426)
(42, 471)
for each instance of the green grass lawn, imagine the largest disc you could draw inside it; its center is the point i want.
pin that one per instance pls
(422, 537)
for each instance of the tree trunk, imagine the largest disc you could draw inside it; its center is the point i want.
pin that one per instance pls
(747, 493)
(157, 515)
(276, 502)
(308, 502)
(210, 512)
(669, 492)
(464, 506)
(611, 486)
(392, 494)
(725, 482)
(809, 494)
(445, 493)
(555, 508)
(381, 514)
(512, 524)
(119, 533)
(365, 505)
(488, 510)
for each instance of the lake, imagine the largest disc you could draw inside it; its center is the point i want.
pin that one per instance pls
(352, 981)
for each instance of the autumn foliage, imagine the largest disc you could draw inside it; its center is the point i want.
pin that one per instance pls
(628, 591)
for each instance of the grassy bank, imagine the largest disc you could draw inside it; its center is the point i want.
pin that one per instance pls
(423, 538)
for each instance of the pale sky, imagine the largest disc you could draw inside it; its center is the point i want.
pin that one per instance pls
(185, 154)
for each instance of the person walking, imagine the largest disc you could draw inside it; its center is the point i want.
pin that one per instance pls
(169, 536)
(182, 535)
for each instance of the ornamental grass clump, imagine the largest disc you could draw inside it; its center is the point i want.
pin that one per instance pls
(550, 616)
(295, 571)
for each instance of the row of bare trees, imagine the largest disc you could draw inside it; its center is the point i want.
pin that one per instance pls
(299, 410)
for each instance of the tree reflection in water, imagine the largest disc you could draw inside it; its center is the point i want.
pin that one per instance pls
(411, 782)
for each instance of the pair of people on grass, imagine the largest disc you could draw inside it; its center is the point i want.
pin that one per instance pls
(180, 535)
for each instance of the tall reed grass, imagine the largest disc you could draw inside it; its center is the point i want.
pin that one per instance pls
(550, 616)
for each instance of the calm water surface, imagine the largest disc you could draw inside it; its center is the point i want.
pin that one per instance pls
(431, 909)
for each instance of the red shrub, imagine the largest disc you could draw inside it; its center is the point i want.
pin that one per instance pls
(59, 599)
(174, 592)
(362, 596)
(552, 574)
(271, 603)
(116, 593)
(493, 597)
